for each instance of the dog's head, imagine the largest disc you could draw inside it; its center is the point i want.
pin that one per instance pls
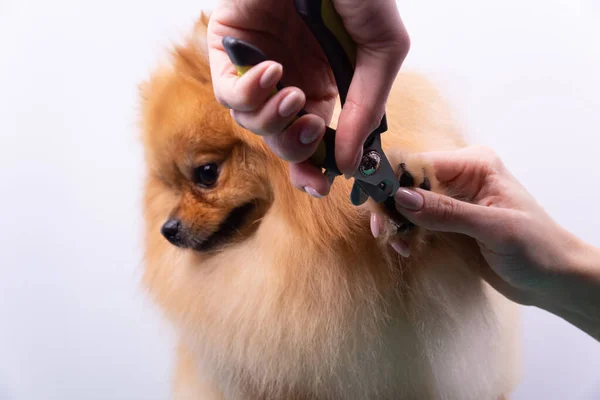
(208, 179)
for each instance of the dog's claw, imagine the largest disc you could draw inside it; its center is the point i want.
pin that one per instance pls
(406, 179)
(426, 184)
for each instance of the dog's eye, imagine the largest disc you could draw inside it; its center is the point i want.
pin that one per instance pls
(206, 175)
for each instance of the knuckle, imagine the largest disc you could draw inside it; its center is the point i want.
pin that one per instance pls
(372, 115)
(496, 162)
(243, 100)
(490, 155)
(240, 121)
(444, 209)
(284, 150)
(292, 156)
(489, 158)
(378, 116)
(221, 100)
(402, 42)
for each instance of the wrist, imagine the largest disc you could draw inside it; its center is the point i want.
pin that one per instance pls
(574, 294)
(585, 280)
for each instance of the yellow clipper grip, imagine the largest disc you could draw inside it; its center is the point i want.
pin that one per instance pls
(242, 69)
(333, 22)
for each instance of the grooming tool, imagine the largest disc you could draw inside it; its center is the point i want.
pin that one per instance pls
(375, 176)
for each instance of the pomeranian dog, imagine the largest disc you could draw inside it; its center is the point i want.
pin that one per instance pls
(277, 295)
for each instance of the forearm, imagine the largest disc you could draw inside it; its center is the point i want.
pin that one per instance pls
(586, 323)
(575, 296)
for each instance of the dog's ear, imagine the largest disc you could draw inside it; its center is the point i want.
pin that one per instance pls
(191, 58)
(199, 32)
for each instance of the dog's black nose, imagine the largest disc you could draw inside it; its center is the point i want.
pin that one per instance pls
(171, 230)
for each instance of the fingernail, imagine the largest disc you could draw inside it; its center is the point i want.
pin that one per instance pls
(270, 76)
(401, 248)
(290, 104)
(408, 199)
(375, 225)
(310, 133)
(355, 164)
(312, 192)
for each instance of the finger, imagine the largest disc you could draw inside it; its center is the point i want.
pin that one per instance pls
(442, 213)
(381, 50)
(364, 107)
(464, 171)
(300, 140)
(275, 115)
(307, 177)
(245, 93)
(400, 246)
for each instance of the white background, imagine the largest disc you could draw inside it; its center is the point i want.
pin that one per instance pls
(74, 323)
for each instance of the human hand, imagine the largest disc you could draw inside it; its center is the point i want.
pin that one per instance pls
(274, 27)
(529, 255)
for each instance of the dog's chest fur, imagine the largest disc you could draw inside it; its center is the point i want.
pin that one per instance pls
(283, 321)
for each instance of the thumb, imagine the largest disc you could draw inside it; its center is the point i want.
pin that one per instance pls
(364, 107)
(439, 212)
(382, 45)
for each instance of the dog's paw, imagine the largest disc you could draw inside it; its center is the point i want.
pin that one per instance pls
(406, 178)
(389, 225)
(411, 174)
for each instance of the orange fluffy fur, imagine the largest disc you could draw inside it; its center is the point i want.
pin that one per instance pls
(302, 302)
